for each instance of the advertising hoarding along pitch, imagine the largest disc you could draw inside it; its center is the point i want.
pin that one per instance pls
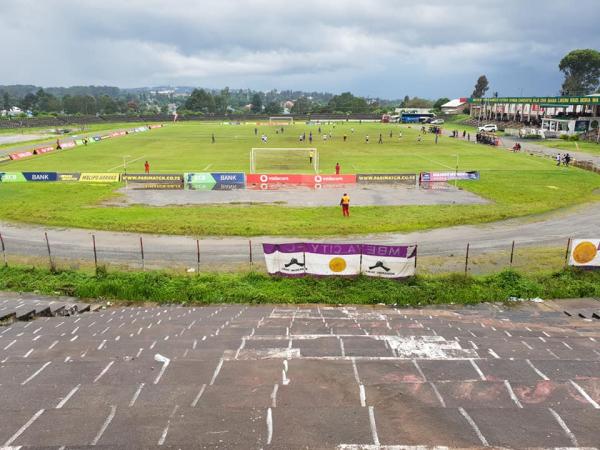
(4, 158)
(40, 176)
(387, 178)
(20, 155)
(12, 177)
(170, 178)
(303, 179)
(448, 176)
(73, 176)
(99, 177)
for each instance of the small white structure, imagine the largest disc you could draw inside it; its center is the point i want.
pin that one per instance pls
(455, 106)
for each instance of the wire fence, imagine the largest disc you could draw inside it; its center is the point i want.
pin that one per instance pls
(186, 255)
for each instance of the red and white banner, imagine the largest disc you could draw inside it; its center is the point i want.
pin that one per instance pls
(39, 151)
(21, 155)
(64, 145)
(303, 179)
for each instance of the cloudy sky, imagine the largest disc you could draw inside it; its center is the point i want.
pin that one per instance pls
(385, 48)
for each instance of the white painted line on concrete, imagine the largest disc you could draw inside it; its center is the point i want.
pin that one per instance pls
(363, 396)
(28, 353)
(585, 395)
(342, 347)
(356, 377)
(274, 396)
(512, 394)
(535, 369)
(481, 437)
(493, 353)
(373, 426)
(416, 364)
(216, 373)
(52, 345)
(565, 428)
(10, 345)
(195, 402)
(103, 371)
(68, 396)
(36, 373)
(269, 426)
(21, 430)
(437, 394)
(476, 367)
(165, 362)
(111, 416)
(527, 345)
(136, 394)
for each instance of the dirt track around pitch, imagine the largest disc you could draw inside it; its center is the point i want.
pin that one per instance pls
(361, 195)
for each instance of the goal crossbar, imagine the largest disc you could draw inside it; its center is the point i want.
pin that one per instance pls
(307, 150)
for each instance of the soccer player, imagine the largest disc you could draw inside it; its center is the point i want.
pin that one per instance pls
(311, 155)
(213, 138)
(146, 167)
(345, 202)
(367, 139)
(380, 139)
(345, 137)
(337, 168)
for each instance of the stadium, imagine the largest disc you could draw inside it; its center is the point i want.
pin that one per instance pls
(299, 225)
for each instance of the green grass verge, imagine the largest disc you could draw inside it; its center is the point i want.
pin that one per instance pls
(163, 287)
(572, 146)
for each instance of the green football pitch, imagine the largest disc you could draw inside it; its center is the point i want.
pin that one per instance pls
(515, 184)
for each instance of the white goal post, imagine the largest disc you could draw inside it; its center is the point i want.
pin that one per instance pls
(280, 120)
(284, 159)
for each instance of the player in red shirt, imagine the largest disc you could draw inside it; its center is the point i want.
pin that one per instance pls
(147, 167)
(337, 168)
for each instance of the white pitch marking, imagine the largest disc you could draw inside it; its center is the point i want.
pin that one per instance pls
(476, 367)
(208, 167)
(216, 373)
(373, 426)
(536, 370)
(474, 426)
(274, 396)
(68, 396)
(21, 430)
(111, 415)
(37, 372)
(195, 402)
(565, 428)
(512, 393)
(103, 371)
(126, 162)
(585, 395)
(165, 362)
(269, 426)
(414, 361)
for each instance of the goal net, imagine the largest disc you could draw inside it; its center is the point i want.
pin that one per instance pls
(273, 160)
(281, 120)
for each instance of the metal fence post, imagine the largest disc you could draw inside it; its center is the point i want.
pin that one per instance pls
(95, 254)
(467, 260)
(567, 252)
(197, 256)
(142, 253)
(3, 250)
(250, 248)
(52, 267)
(512, 253)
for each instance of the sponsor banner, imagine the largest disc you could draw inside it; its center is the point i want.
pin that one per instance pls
(69, 176)
(553, 101)
(21, 155)
(172, 178)
(158, 186)
(229, 177)
(388, 261)
(300, 259)
(585, 253)
(257, 178)
(155, 126)
(118, 133)
(448, 176)
(12, 177)
(79, 142)
(41, 150)
(105, 136)
(199, 178)
(40, 176)
(70, 144)
(214, 186)
(96, 138)
(387, 178)
(99, 177)
(4, 158)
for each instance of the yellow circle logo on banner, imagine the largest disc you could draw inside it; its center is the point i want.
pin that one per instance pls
(584, 252)
(337, 264)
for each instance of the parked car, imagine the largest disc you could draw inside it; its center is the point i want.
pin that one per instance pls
(490, 127)
(437, 121)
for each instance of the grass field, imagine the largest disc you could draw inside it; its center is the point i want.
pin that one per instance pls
(516, 184)
(586, 147)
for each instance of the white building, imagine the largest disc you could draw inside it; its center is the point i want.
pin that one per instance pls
(455, 106)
